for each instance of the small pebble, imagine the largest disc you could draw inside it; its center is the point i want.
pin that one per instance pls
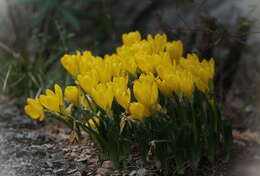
(107, 164)
(72, 171)
(133, 173)
(83, 159)
(58, 171)
(141, 172)
(77, 174)
(239, 143)
(104, 171)
(49, 164)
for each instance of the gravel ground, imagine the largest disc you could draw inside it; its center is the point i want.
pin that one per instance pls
(28, 149)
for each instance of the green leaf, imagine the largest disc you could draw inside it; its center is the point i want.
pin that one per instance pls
(191, 1)
(39, 19)
(28, 1)
(97, 1)
(70, 17)
(227, 134)
(44, 11)
(81, 14)
(180, 164)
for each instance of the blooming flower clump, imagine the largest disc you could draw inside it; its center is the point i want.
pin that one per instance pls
(137, 72)
(144, 79)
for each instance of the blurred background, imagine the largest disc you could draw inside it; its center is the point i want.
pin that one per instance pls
(35, 34)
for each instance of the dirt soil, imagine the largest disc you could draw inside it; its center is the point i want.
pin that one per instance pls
(28, 148)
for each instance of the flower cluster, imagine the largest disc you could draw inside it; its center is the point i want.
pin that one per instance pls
(144, 79)
(154, 65)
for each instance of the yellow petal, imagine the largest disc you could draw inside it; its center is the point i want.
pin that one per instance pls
(88, 81)
(49, 92)
(50, 102)
(72, 94)
(70, 64)
(41, 116)
(138, 111)
(30, 111)
(103, 95)
(34, 109)
(146, 90)
(92, 122)
(123, 97)
(131, 38)
(58, 92)
(175, 50)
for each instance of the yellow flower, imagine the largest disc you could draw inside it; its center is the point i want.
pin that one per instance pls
(158, 43)
(103, 95)
(173, 82)
(104, 71)
(70, 63)
(146, 90)
(121, 92)
(175, 50)
(131, 38)
(180, 81)
(120, 82)
(50, 102)
(114, 64)
(53, 101)
(148, 63)
(165, 70)
(202, 72)
(129, 64)
(138, 111)
(34, 109)
(58, 92)
(209, 68)
(164, 87)
(92, 122)
(201, 85)
(85, 62)
(123, 97)
(88, 81)
(72, 94)
(186, 83)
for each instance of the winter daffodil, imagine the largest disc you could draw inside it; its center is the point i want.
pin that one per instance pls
(34, 109)
(72, 94)
(53, 101)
